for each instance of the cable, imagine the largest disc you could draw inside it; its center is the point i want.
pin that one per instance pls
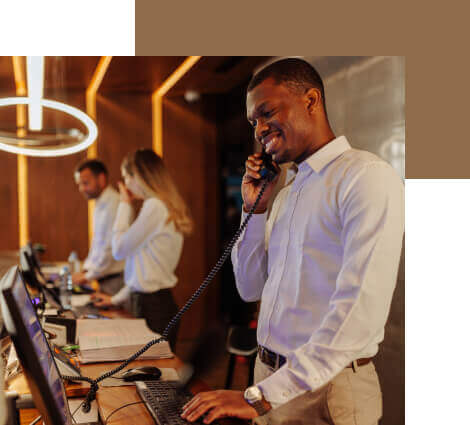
(91, 393)
(217, 267)
(35, 421)
(76, 410)
(228, 249)
(119, 408)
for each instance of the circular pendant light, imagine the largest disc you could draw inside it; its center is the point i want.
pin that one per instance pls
(92, 130)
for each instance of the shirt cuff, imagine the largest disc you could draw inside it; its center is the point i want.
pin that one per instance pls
(93, 274)
(256, 227)
(121, 296)
(279, 388)
(90, 275)
(86, 264)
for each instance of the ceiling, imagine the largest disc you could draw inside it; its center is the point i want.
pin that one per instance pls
(69, 72)
(139, 73)
(211, 74)
(218, 74)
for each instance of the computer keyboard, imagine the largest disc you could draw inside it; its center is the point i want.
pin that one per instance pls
(165, 401)
(84, 310)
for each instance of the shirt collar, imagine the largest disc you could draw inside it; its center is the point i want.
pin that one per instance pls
(104, 196)
(322, 157)
(291, 171)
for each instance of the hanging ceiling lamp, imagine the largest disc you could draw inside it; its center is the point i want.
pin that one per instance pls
(49, 142)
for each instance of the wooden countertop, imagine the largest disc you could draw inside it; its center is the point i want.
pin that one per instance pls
(110, 398)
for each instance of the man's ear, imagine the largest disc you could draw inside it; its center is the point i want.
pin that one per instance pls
(313, 99)
(102, 180)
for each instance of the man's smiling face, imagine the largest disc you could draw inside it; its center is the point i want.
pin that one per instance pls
(280, 118)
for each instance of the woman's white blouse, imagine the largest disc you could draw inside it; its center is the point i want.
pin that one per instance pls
(150, 246)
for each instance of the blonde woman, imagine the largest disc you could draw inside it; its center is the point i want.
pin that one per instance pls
(150, 243)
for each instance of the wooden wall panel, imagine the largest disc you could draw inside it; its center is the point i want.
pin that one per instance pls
(189, 137)
(9, 239)
(57, 211)
(58, 216)
(125, 124)
(9, 202)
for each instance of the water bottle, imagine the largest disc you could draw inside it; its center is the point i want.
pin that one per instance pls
(74, 262)
(65, 287)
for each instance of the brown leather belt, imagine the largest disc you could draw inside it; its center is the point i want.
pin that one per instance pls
(275, 360)
(270, 358)
(109, 276)
(360, 362)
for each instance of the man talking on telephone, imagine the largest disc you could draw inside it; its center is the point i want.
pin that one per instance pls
(323, 262)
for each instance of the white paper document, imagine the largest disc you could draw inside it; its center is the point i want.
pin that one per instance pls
(117, 339)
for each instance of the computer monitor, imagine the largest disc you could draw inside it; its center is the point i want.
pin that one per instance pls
(33, 350)
(35, 279)
(32, 253)
(30, 266)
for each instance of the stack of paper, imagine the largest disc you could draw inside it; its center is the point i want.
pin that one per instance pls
(117, 339)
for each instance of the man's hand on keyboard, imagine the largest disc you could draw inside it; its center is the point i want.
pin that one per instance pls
(218, 404)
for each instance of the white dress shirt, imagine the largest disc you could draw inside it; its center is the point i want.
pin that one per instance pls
(151, 247)
(100, 261)
(324, 265)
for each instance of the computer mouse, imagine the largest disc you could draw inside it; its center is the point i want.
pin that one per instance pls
(144, 373)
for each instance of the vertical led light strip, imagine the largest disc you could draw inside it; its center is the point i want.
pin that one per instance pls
(157, 101)
(35, 78)
(92, 151)
(22, 164)
(91, 91)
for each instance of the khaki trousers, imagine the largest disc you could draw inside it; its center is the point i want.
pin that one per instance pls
(351, 398)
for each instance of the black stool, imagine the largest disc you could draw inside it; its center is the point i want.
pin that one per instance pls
(241, 341)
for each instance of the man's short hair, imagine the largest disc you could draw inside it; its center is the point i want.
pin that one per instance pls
(296, 74)
(94, 165)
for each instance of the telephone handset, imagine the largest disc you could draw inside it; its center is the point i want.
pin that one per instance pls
(268, 171)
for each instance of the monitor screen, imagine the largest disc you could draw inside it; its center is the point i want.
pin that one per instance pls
(33, 350)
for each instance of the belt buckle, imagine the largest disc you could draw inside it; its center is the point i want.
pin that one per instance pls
(261, 353)
(266, 357)
(274, 359)
(354, 366)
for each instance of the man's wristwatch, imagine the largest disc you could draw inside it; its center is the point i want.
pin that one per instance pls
(254, 397)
